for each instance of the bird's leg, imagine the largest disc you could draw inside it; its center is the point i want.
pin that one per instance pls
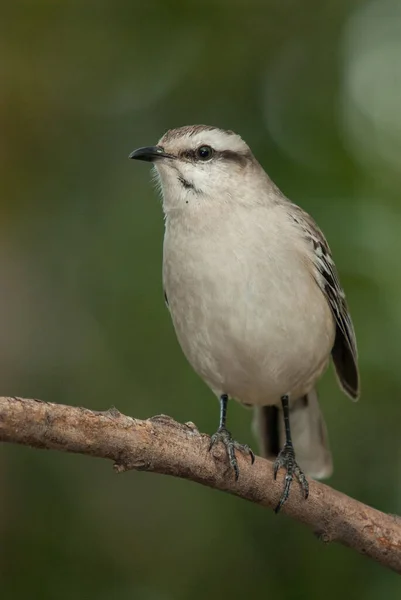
(223, 435)
(286, 458)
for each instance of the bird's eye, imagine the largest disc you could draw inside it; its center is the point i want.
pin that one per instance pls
(204, 153)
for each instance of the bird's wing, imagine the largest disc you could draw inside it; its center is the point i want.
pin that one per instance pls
(344, 352)
(166, 299)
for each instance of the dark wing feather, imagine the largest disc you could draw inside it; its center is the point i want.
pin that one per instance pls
(344, 352)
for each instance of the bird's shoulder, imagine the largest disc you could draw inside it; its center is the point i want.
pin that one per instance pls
(324, 269)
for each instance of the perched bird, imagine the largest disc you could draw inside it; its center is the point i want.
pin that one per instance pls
(254, 295)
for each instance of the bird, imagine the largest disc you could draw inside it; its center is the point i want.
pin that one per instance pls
(254, 296)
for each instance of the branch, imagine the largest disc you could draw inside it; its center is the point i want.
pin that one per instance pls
(163, 446)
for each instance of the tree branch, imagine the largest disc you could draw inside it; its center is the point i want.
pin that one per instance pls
(163, 446)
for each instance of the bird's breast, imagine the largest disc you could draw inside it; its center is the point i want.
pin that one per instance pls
(247, 312)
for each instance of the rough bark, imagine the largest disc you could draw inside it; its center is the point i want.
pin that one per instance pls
(163, 446)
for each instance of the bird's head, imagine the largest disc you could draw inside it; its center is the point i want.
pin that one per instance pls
(198, 164)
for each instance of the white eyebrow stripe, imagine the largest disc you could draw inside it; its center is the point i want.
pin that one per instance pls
(219, 140)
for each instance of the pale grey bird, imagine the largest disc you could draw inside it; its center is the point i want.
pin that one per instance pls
(254, 295)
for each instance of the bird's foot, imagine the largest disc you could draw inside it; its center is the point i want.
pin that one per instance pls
(286, 458)
(223, 435)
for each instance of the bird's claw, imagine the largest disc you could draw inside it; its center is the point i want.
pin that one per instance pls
(223, 435)
(286, 458)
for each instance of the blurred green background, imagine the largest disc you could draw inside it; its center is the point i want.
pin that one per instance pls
(315, 89)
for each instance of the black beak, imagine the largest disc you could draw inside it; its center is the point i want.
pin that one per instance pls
(150, 153)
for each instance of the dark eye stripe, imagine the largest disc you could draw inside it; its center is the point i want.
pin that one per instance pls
(188, 154)
(230, 155)
(236, 157)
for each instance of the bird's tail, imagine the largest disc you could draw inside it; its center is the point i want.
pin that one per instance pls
(308, 432)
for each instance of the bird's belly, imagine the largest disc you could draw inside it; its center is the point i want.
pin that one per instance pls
(250, 339)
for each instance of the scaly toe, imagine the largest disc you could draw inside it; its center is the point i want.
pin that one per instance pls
(286, 459)
(224, 436)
